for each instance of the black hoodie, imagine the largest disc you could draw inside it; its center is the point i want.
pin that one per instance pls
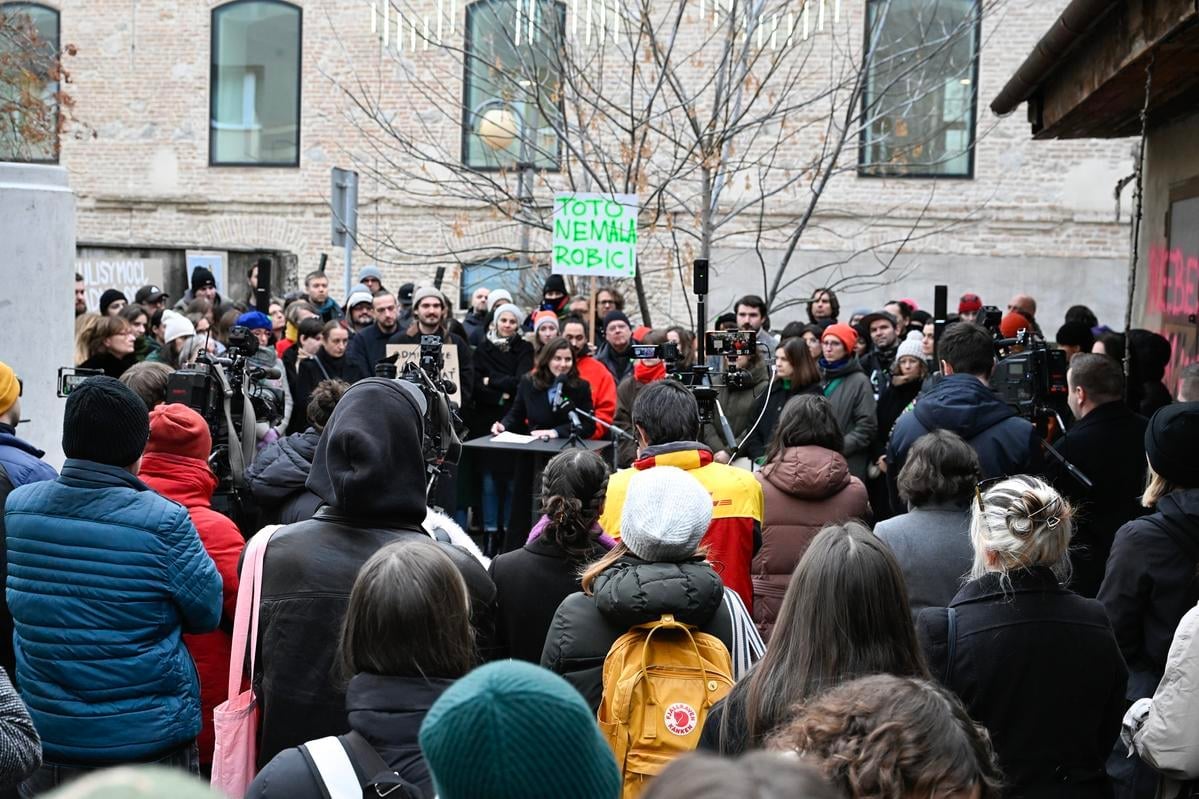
(369, 472)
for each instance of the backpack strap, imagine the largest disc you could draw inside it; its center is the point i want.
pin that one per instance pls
(951, 643)
(334, 768)
(340, 760)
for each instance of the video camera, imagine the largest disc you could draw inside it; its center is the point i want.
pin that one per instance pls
(441, 444)
(1032, 380)
(230, 394)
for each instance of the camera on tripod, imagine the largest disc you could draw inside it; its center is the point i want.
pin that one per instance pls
(230, 394)
(1032, 380)
(441, 443)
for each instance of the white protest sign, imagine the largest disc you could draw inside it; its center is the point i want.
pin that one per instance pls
(127, 275)
(595, 235)
(410, 353)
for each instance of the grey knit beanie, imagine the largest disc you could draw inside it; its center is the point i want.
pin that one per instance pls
(912, 346)
(666, 513)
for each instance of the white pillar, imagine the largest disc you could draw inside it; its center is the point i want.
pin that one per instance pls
(37, 309)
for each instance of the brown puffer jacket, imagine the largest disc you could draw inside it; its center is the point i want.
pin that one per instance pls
(805, 488)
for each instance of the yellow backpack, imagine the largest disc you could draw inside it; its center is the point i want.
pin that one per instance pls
(660, 679)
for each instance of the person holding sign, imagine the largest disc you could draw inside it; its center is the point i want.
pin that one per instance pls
(429, 312)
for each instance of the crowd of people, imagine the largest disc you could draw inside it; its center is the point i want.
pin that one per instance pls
(883, 585)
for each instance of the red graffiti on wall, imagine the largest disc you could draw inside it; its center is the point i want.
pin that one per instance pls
(1173, 282)
(1173, 297)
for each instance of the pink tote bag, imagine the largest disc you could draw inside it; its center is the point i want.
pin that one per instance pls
(235, 755)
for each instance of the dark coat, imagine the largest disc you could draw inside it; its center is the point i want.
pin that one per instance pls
(366, 348)
(276, 478)
(852, 396)
(619, 364)
(1039, 667)
(530, 584)
(310, 567)
(475, 325)
(503, 369)
(531, 409)
(741, 406)
(1150, 583)
(1108, 446)
(466, 369)
(111, 364)
(1005, 443)
(628, 593)
(772, 403)
(387, 712)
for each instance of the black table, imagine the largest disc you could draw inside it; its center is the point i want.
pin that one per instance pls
(528, 462)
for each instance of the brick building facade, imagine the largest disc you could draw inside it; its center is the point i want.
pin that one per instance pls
(1039, 216)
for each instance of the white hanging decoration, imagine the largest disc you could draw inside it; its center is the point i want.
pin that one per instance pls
(440, 17)
(588, 26)
(399, 31)
(425, 20)
(386, 22)
(374, 17)
(806, 9)
(820, 18)
(517, 25)
(836, 12)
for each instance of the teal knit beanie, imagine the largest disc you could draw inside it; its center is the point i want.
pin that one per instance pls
(512, 730)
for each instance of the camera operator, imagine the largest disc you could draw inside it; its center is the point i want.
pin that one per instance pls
(259, 325)
(1107, 444)
(370, 475)
(594, 373)
(963, 402)
(429, 313)
(746, 379)
(666, 419)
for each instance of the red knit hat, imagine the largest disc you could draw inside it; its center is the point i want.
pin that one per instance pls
(969, 303)
(178, 430)
(843, 333)
(1013, 323)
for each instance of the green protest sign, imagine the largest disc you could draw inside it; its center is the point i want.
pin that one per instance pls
(595, 234)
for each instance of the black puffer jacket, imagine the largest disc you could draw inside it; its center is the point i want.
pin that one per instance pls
(502, 366)
(387, 712)
(630, 592)
(373, 488)
(277, 476)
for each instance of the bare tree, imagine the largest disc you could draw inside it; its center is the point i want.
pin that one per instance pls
(730, 119)
(35, 108)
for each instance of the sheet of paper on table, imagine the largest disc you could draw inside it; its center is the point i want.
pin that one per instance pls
(507, 437)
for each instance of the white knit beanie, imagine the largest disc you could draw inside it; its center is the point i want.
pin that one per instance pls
(913, 346)
(175, 326)
(666, 513)
(508, 307)
(497, 297)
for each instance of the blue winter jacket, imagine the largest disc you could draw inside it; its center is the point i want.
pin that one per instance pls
(963, 404)
(21, 460)
(104, 576)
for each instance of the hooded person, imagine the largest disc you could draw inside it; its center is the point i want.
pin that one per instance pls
(656, 568)
(176, 466)
(554, 296)
(370, 477)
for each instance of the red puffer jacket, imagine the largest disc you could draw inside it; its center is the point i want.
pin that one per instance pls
(190, 482)
(805, 488)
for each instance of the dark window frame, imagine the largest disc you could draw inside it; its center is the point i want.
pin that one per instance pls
(212, 81)
(57, 147)
(880, 172)
(468, 53)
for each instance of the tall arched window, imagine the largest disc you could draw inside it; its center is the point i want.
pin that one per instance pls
(512, 88)
(29, 60)
(921, 88)
(255, 92)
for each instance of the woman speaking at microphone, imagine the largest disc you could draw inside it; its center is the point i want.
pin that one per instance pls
(546, 399)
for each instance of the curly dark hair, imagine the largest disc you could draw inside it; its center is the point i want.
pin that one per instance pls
(887, 737)
(574, 485)
(323, 400)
